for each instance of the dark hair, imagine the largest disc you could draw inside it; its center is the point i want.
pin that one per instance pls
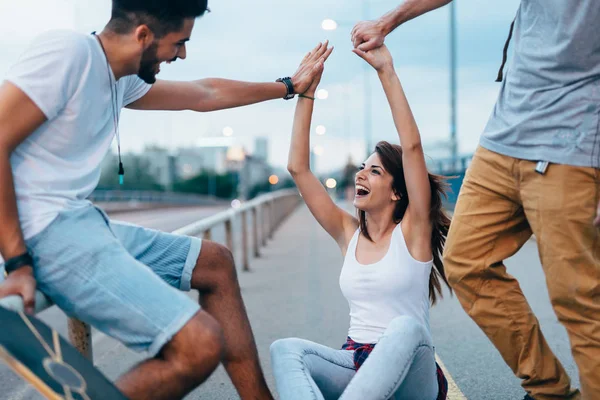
(391, 158)
(161, 16)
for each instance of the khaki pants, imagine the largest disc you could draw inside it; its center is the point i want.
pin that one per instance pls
(501, 203)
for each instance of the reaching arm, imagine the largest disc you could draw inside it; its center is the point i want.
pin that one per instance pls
(333, 219)
(408, 10)
(413, 159)
(207, 95)
(19, 117)
(218, 94)
(368, 35)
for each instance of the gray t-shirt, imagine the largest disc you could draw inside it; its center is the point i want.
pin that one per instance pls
(549, 103)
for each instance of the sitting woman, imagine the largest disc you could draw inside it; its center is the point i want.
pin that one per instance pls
(392, 267)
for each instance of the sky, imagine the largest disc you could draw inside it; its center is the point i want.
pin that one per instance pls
(262, 40)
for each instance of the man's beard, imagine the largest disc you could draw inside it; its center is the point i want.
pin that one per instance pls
(148, 70)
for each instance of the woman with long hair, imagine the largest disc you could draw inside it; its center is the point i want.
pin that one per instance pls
(392, 268)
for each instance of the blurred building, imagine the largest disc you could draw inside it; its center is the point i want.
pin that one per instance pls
(251, 170)
(162, 165)
(210, 154)
(257, 171)
(261, 148)
(215, 156)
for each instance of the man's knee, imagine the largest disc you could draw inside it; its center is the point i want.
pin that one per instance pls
(214, 265)
(196, 348)
(450, 264)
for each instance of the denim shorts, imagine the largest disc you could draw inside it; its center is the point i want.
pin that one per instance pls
(124, 280)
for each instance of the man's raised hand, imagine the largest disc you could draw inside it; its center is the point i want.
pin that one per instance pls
(309, 69)
(368, 35)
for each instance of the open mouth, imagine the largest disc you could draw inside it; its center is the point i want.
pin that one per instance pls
(361, 191)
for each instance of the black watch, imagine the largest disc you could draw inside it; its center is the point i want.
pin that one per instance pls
(287, 81)
(17, 262)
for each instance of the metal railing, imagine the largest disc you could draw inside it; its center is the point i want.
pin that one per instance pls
(450, 166)
(266, 212)
(147, 196)
(454, 169)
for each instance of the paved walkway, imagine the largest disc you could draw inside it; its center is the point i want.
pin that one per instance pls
(292, 290)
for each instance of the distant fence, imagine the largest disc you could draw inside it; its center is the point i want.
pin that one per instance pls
(144, 196)
(454, 168)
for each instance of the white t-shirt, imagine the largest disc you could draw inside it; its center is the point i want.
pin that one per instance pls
(397, 285)
(57, 167)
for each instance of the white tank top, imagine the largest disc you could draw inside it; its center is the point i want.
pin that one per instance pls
(377, 293)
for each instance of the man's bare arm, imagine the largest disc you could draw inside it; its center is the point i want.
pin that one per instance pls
(217, 94)
(19, 117)
(207, 95)
(368, 35)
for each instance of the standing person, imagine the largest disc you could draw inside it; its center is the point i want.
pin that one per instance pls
(59, 112)
(392, 268)
(537, 170)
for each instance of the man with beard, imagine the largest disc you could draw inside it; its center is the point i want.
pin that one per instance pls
(59, 111)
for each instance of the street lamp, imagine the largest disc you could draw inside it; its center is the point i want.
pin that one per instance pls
(322, 94)
(227, 131)
(318, 150)
(236, 204)
(273, 179)
(453, 85)
(237, 155)
(330, 25)
(331, 183)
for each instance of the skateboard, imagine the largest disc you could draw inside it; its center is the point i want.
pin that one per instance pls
(50, 364)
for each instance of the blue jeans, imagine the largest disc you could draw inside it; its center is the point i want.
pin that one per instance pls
(402, 366)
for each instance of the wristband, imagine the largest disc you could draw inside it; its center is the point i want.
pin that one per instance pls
(306, 97)
(287, 81)
(17, 262)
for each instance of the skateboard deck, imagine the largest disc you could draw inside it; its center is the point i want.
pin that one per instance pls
(49, 363)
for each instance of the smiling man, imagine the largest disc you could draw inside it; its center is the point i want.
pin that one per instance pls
(59, 111)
